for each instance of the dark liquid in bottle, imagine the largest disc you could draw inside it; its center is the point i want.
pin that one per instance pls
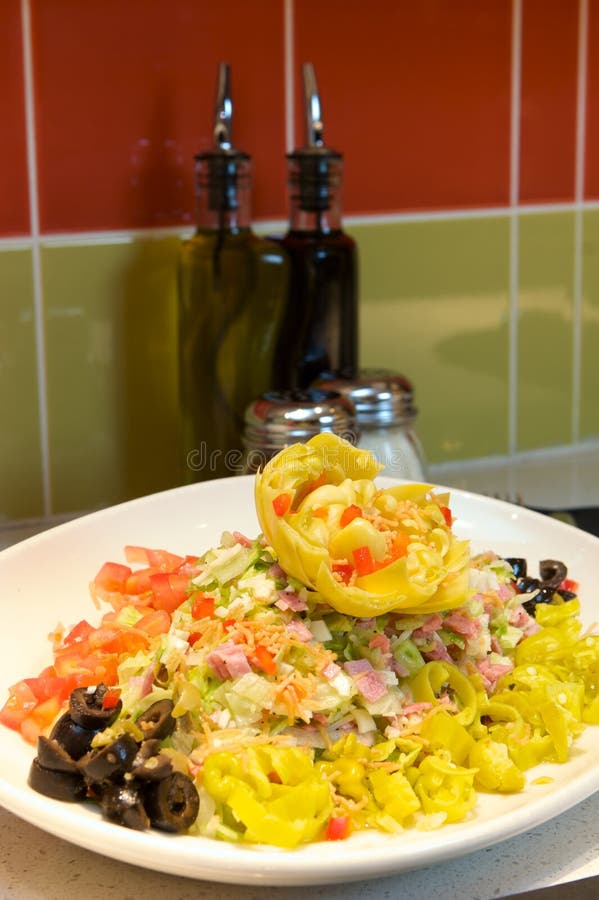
(319, 327)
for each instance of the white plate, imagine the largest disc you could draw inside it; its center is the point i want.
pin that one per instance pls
(44, 580)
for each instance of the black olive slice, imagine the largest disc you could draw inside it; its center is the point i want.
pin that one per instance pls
(518, 565)
(146, 749)
(86, 708)
(552, 572)
(69, 786)
(154, 768)
(122, 804)
(172, 803)
(72, 737)
(110, 762)
(157, 721)
(51, 755)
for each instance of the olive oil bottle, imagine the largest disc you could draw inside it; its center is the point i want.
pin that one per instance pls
(318, 335)
(232, 285)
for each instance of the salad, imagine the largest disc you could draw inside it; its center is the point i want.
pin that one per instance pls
(352, 667)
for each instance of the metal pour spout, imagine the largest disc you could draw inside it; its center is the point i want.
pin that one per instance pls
(312, 108)
(223, 109)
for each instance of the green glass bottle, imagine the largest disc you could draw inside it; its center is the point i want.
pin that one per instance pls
(232, 285)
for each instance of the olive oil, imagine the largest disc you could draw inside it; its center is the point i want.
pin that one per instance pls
(231, 287)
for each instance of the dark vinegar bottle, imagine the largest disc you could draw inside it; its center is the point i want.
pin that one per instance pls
(319, 334)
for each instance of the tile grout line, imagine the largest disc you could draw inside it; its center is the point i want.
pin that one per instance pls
(36, 264)
(515, 108)
(579, 179)
(75, 238)
(289, 21)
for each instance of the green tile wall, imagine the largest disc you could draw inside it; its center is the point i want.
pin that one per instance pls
(545, 329)
(21, 493)
(110, 330)
(435, 306)
(589, 415)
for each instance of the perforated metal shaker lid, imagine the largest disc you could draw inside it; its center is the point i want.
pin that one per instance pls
(279, 418)
(380, 397)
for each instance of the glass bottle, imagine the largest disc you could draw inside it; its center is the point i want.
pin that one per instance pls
(319, 326)
(385, 415)
(231, 288)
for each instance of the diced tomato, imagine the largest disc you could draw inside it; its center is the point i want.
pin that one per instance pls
(193, 637)
(159, 559)
(169, 590)
(110, 698)
(363, 560)
(119, 640)
(349, 514)
(568, 584)
(20, 703)
(202, 606)
(155, 622)
(338, 828)
(281, 504)
(79, 632)
(112, 577)
(447, 515)
(344, 570)
(265, 660)
(399, 547)
(139, 582)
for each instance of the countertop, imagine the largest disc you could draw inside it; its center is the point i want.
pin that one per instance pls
(36, 865)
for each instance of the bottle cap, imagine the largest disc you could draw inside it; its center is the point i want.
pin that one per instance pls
(279, 418)
(221, 170)
(380, 397)
(315, 170)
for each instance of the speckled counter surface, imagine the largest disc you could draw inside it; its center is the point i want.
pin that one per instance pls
(35, 865)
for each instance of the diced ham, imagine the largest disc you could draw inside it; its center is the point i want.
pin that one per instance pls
(432, 624)
(368, 682)
(330, 671)
(242, 539)
(505, 592)
(492, 672)
(382, 642)
(462, 624)
(291, 600)
(495, 645)
(439, 651)
(357, 666)
(276, 571)
(518, 617)
(228, 661)
(412, 708)
(299, 630)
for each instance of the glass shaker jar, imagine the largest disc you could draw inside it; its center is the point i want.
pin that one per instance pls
(279, 418)
(385, 412)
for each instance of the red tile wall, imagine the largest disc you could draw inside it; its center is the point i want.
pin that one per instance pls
(592, 148)
(14, 197)
(125, 95)
(416, 95)
(548, 100)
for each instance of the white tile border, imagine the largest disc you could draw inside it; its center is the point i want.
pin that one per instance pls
(579, 180)
(36, 264)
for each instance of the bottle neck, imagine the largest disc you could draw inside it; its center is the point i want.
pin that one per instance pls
(223, 192)
(315, 181)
